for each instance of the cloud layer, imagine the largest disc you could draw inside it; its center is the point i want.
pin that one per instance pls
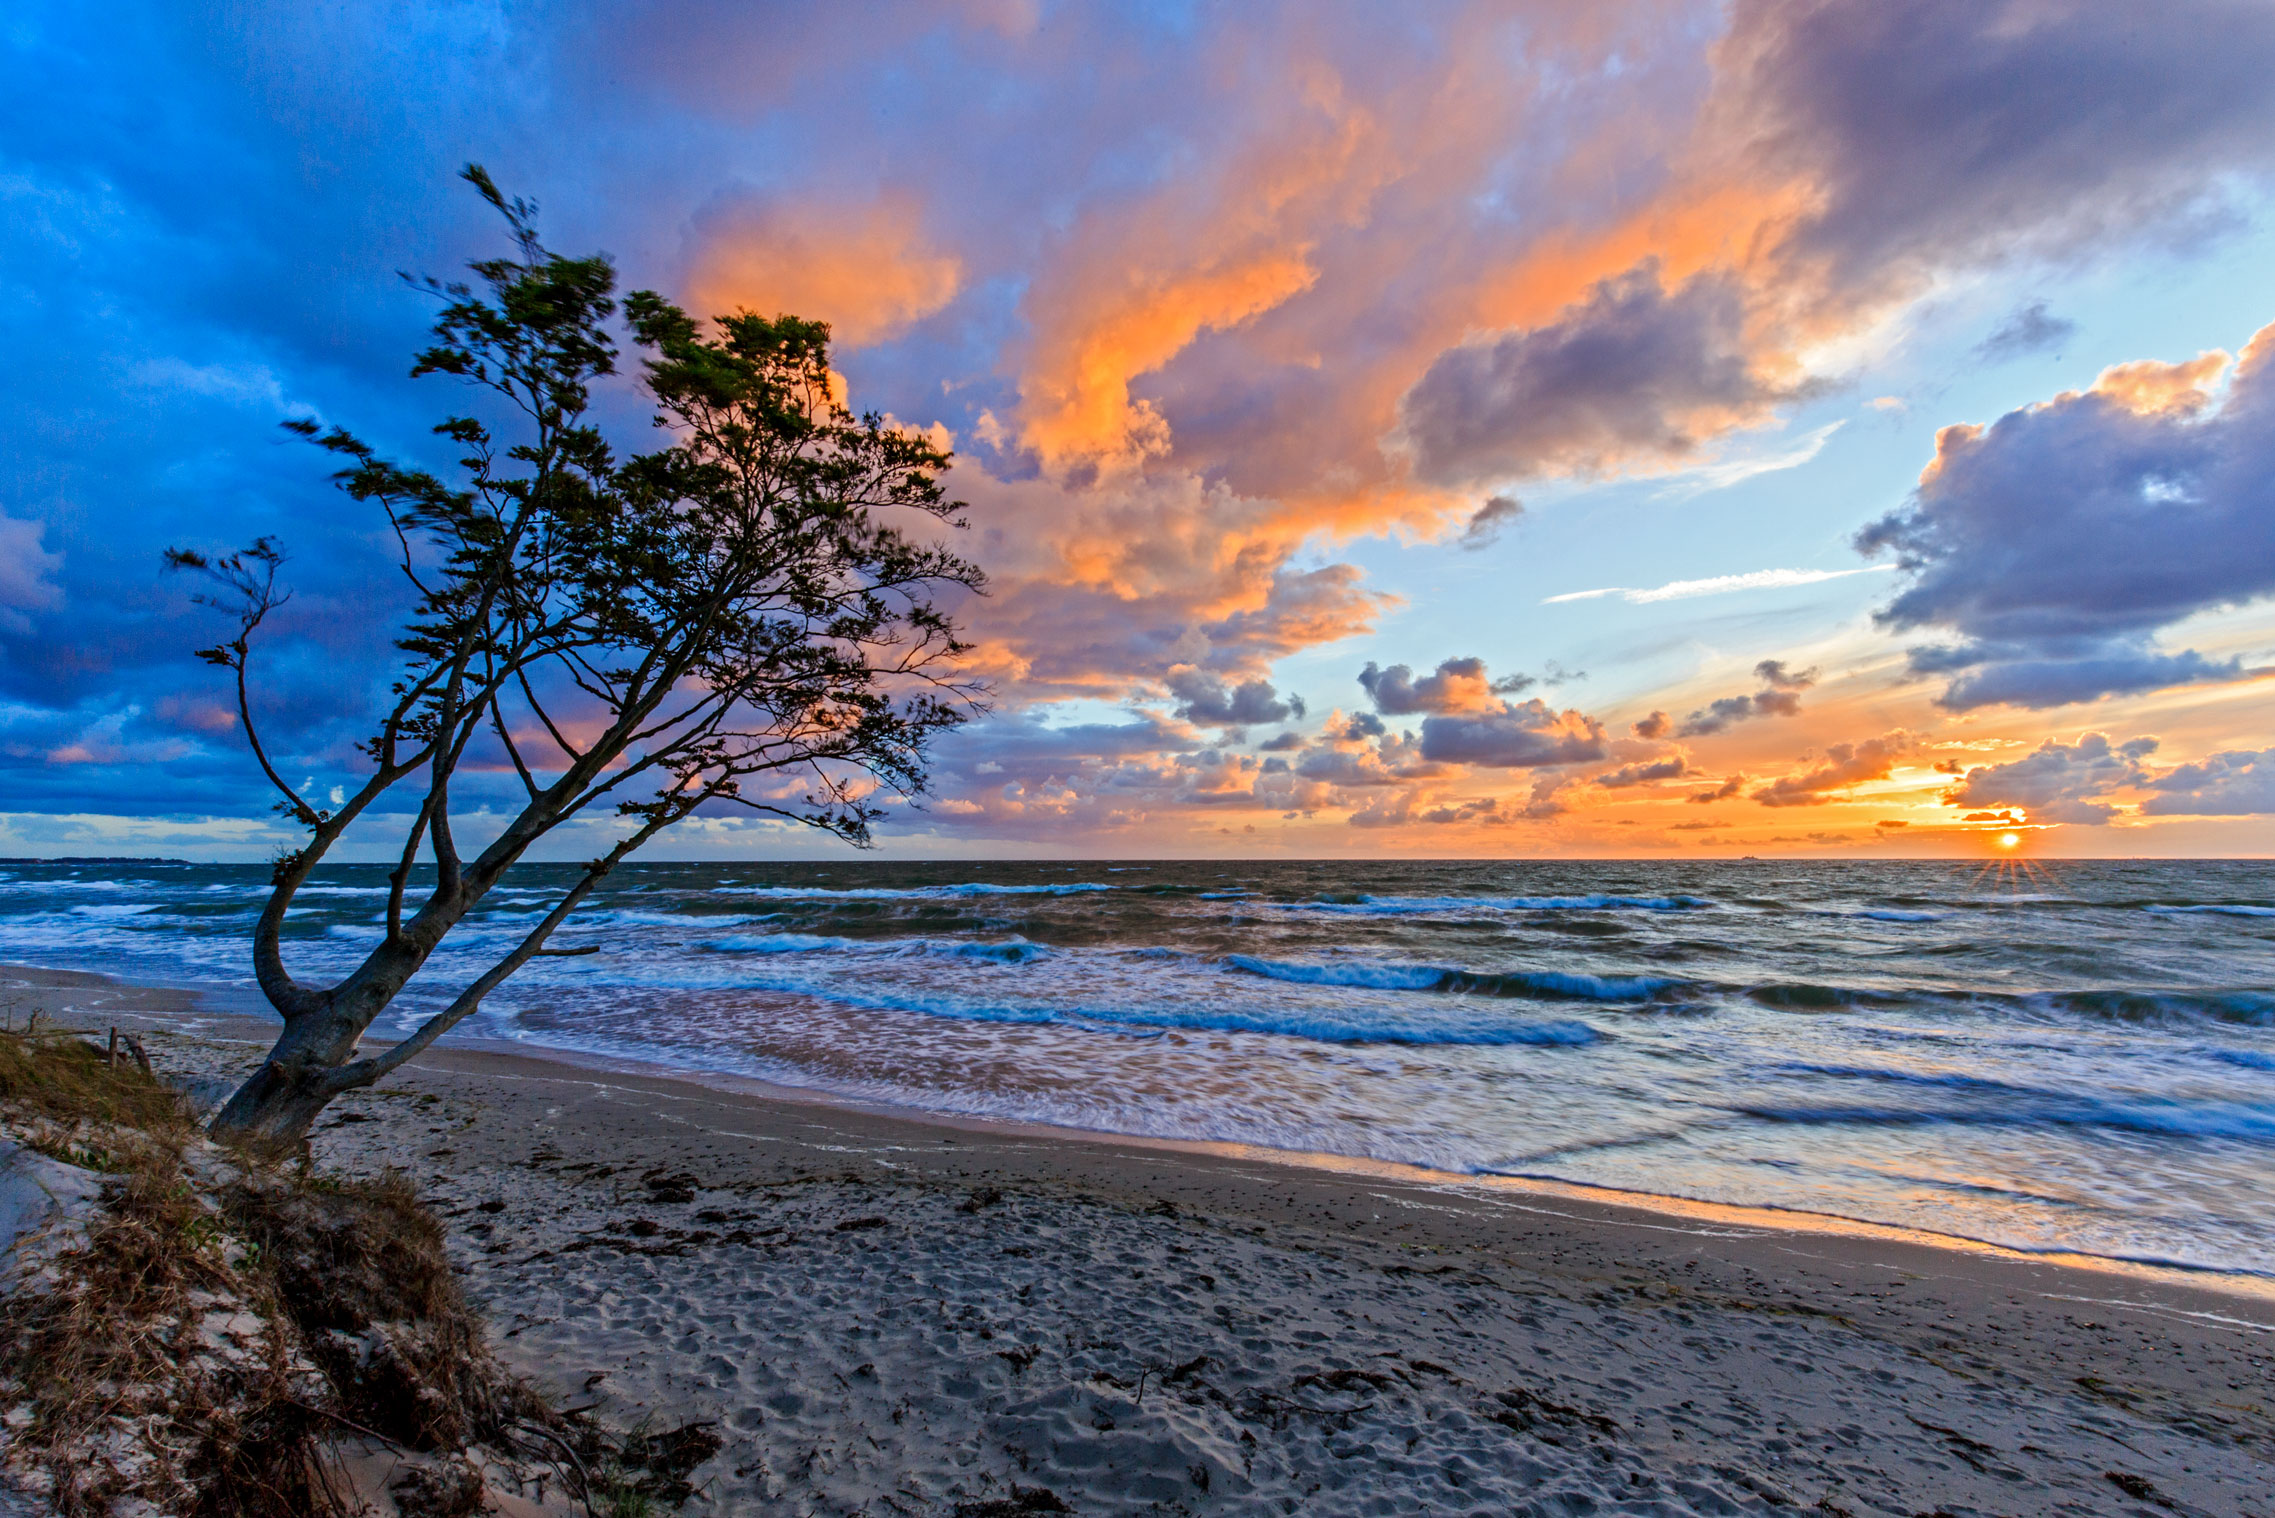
(2056, 543)
(1203, 299)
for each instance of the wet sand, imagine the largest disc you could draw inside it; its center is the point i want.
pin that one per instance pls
(885, 1313)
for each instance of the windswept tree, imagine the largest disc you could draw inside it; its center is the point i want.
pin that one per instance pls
(738, 619)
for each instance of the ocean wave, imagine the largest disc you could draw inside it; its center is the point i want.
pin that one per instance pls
(634, 919)
(2254, 1008)
(778, 943)
(1809, 996)
(2249, 1007)
(1329, 1028)
(2231, 1120)
(2218, 908)
(1949, 1080)
(1394, 977)
(34, 883)
(1017, 951)
(1359, 1024)
(919, 893)
(1318, 1026)
(1884, 914)
(1359, 903)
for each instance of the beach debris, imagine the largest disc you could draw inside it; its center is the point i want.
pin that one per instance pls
(2136, 1486)
(984, 1197)
(1525, 1411)
(1178, 1373)
(655, 1464)
(452, 1490)
(1023, 1500)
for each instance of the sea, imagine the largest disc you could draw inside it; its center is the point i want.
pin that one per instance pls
(2066, 1057)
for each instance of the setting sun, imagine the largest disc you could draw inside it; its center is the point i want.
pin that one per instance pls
(2009, 840)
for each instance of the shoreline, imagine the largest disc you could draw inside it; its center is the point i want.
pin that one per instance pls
(1511, 1189)
(883, 1312)
(1597, 1203)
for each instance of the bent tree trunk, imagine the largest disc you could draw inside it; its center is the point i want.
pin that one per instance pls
(315, 1058)
(272, 1112)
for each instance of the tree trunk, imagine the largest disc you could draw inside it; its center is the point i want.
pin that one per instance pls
(271, 1114)
(273, 1111)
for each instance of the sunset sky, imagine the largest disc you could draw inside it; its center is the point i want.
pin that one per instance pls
(1425, 429)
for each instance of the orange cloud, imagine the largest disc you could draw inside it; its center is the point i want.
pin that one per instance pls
(2147, 387)
(865, 269)
(1135, 286)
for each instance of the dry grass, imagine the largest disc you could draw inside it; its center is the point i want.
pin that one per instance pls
(67, 1080)
(197, 1351)
(358, 1268)
(202, 1347)
(124, 1394)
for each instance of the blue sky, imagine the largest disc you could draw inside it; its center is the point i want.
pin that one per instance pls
(1241, 319)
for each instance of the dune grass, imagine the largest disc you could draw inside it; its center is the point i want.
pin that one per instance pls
(122, 1388)
(66, 1079)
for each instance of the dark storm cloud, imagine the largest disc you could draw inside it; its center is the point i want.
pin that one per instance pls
(1635, 371)
(2058, 541)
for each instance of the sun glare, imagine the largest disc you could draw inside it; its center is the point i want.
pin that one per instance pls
(2009, 840)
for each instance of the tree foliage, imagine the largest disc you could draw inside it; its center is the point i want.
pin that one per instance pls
(739, 619)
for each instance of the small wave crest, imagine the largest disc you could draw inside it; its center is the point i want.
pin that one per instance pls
(2214, 908)
(1017, 951)
(1362, 904)
(2213, 1120)
(622, 917)
(919, 893)
(2256, 1008)
(1392, 977)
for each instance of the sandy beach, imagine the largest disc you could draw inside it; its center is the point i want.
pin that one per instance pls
(889, 1314)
